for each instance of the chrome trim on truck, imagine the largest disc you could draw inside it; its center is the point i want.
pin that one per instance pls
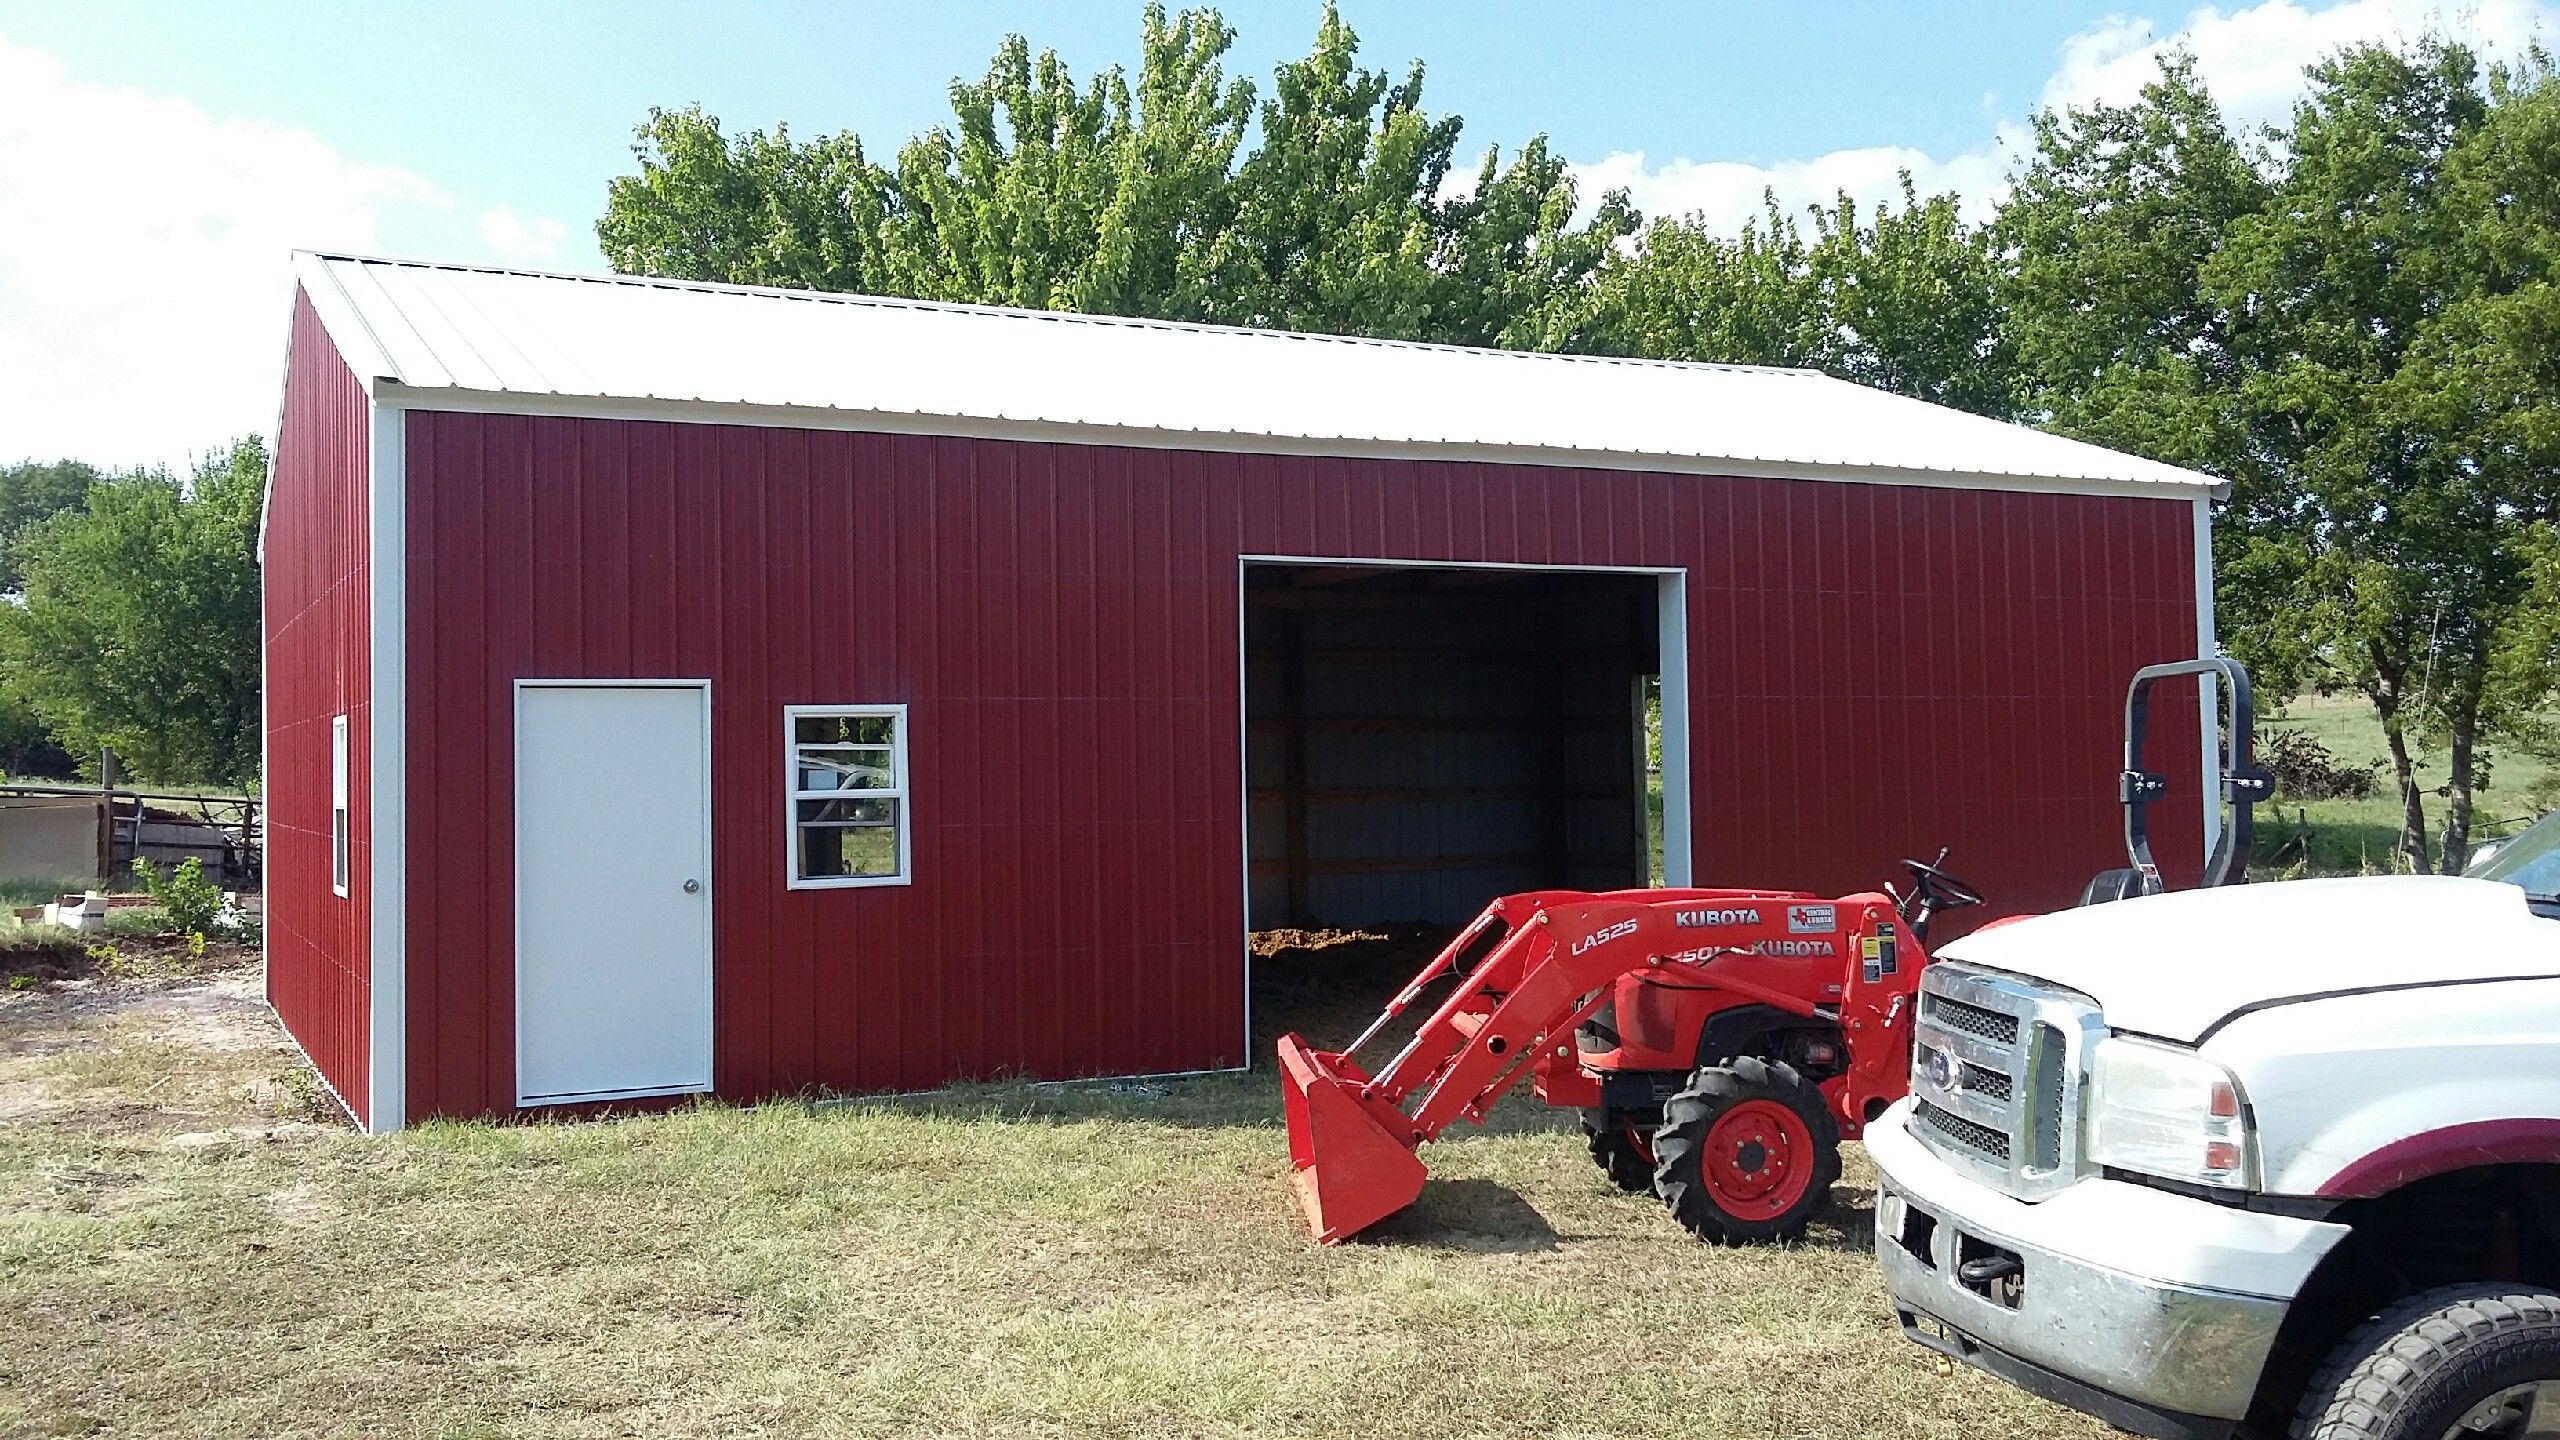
(1997, 1064)
(2183, 1350)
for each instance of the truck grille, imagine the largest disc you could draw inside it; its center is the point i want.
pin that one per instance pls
(1964, 1132)
(1996, 1064)
(1990, 1025)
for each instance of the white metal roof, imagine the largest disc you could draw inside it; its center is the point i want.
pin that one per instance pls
(465, 337)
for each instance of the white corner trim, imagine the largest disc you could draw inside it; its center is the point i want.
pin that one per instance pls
(2208, 699)
(387, 1087)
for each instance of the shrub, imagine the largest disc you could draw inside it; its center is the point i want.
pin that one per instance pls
(194, 903)
(2305, 769)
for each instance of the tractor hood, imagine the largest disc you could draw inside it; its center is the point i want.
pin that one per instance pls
(2173, 965)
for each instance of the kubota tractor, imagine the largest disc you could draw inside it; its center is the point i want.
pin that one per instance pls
(1719, 1043)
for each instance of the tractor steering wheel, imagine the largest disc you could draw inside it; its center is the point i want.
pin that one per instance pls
(1940, 890)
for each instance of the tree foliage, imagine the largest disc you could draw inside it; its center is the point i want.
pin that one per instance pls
(1322, 206)
(2353, 329)
(138, 627)
(1904, 299)
(30, 491)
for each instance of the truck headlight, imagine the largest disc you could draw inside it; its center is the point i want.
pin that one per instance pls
(2160, 1110)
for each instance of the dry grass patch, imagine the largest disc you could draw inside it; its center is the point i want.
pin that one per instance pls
(1003, 1261)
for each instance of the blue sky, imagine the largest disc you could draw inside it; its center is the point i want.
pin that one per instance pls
(156, 160)
(532, 106)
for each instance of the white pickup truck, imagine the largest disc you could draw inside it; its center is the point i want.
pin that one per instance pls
(2276, 1159)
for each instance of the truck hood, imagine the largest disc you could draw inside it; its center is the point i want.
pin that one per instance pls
(2175, 965)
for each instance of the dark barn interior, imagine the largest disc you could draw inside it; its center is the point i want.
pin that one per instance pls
(1420, 740)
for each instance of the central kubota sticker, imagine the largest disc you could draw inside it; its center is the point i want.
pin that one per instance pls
(1796, 948)
(1812, 919)
(1711, 919)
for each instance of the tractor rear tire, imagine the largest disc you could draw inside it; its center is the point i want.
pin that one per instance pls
(1623, 1149)
(1747, 1154)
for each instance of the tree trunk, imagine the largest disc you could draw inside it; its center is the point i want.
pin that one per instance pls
(2413, 806)
(2385, 695)
(2457, 808)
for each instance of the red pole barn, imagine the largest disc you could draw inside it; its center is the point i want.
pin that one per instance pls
(680, 688)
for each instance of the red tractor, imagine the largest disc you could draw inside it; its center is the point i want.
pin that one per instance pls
(1719, 1043)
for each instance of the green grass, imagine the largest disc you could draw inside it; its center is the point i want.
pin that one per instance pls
(1009, 1260)
(2350, 837)
(39, 890)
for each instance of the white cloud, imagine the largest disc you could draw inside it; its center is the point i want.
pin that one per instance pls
(143, 263)
(1728, 193)
(2252, 58)
(521, 241)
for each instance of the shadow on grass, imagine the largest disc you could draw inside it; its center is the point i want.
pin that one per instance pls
(1471, 1214)
(1848, 1226)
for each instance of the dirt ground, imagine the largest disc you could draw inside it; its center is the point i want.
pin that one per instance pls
(176, 1047)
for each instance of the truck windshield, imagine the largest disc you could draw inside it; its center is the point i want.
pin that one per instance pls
(2531, 860)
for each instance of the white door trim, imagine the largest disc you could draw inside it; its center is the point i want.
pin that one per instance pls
(710, 928)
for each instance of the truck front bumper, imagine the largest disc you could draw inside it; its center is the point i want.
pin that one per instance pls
(2150, 1310)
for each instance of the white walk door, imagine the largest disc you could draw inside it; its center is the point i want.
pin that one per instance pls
(613, 891)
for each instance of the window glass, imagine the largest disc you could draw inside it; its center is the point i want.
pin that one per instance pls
(848, 796)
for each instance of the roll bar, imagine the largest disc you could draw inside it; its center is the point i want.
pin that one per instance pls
(2244, 785)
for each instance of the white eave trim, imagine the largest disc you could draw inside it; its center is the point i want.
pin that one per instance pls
(801, 417)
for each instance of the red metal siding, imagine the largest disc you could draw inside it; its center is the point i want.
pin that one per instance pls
(319, 659)
(1874, 671)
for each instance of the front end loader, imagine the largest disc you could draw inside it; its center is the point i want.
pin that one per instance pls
(1719, 1043)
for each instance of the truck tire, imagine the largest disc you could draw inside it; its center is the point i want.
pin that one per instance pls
(2449, 1364)
(1622, 1148)
(1747, 1153)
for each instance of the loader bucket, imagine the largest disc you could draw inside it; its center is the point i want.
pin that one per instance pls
(1351, 1172)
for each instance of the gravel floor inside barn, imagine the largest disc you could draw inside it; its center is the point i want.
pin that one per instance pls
(183, 1250)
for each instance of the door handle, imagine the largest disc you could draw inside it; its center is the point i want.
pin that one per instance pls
(693, 887)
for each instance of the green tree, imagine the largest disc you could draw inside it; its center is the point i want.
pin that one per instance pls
(139, 623)
(757, 210)
(29, 492)
(1902, 298)
(2380, 305)
(1139, 199)
(2102, 242)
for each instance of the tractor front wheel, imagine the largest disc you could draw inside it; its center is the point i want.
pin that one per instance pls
(1747, 1153)
(1622, 1148)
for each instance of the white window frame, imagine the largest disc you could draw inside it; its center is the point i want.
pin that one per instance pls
(341, 820)
(792, 795)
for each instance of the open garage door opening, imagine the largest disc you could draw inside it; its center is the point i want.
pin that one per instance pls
(1421, 739)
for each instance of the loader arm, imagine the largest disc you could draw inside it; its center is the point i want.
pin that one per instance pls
(1550, 963)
